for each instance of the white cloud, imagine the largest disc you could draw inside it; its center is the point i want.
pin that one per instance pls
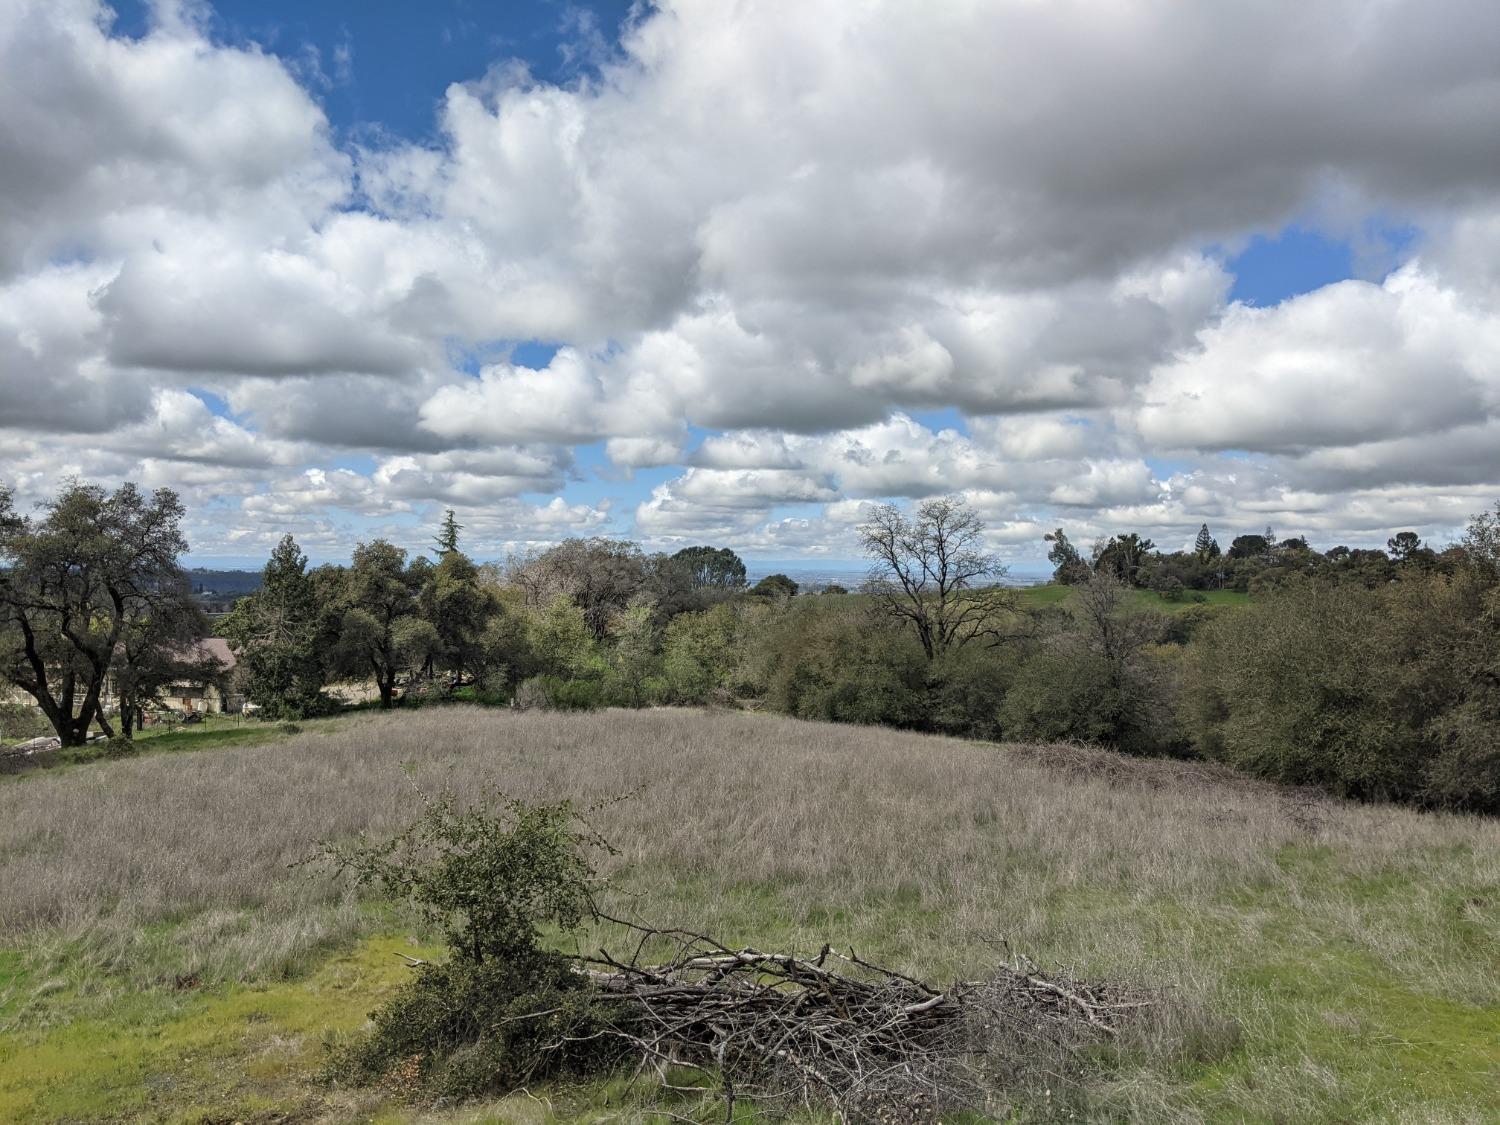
(781, 232)
(1350, 363)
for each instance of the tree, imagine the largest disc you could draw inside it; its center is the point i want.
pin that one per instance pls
(600, 575)
(447, 536)
(562, 644)
(461, 610)
(1095, 680)
(1249, 546)
(1403, 545)
(775, 586)
(73, 584)
(157, 651)
(692, 580)
(700, 651)
(634, 674)
(711, 568)
(1205, 547)
(1069, 566)
(383, 633)
(279, 635)
(932, 572)
(1481, 541)
(1123, 556)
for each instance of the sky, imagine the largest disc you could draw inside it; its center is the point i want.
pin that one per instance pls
(690, 272)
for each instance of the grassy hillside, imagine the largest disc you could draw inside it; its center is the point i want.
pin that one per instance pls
(1038, 597)
(164, 956)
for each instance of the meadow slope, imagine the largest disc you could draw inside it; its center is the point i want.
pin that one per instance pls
(165, 955)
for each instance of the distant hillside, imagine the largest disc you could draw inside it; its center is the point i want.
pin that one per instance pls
(235, 583)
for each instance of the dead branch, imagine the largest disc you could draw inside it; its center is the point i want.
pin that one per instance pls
(836, 1029)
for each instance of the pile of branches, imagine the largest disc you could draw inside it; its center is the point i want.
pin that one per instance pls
(837, 1031)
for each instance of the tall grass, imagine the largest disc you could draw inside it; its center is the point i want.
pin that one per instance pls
(919, 850)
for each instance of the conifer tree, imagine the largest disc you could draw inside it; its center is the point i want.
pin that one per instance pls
(1206, 547)
(276, 633)
(447, 536)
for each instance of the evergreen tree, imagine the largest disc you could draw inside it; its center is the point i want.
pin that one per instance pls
(460, 609)
(383, 633)
(1070, 567)
(1404, 545)
(716, 568)
(1124, 556)
(447, 536)
(1206, 547)
(276, 633)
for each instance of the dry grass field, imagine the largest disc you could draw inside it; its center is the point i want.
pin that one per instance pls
(165, 955)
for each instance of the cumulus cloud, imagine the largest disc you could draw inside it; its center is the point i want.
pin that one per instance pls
(109, 139)
(1350, 363)
(767, 240)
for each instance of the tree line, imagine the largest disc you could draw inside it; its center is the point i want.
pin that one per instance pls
(1378, 680)
(1253, 563)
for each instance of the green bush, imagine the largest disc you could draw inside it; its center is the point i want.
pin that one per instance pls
(1183, 626)
(1063, 693)
(700, 652)
(19, 722)
(100, 751)
(966, 690)
(503, 1009)
(825, 659)
(460, 1029)
(1101, 676)
(1385, 692)
(572, 695)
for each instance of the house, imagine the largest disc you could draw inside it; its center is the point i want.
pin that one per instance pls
(217, 692)
(216, 696)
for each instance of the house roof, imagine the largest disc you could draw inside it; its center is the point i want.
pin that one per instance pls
(213, 648)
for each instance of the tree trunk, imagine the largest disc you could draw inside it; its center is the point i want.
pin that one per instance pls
(73, 732)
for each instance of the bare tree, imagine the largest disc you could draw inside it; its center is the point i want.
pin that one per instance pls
(931, 570)
(1103, 610)
(603, 576)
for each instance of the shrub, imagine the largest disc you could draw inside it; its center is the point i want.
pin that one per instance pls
(699, 653)
(1063, 692)
(1183, 626)
(101, 750)
(461, 1030)
(18, 721)
(1169, 587)
(824, 659)
(572, 695)
(1099, 678)
(531, 695)
(490, 877)
(1376, 693)
(966, 689)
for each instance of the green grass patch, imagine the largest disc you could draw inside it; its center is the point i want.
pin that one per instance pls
(182, 1054)
(1041, 597)
(215, 733)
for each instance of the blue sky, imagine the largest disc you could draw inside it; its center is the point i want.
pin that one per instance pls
(696, 273)
(382, 66)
